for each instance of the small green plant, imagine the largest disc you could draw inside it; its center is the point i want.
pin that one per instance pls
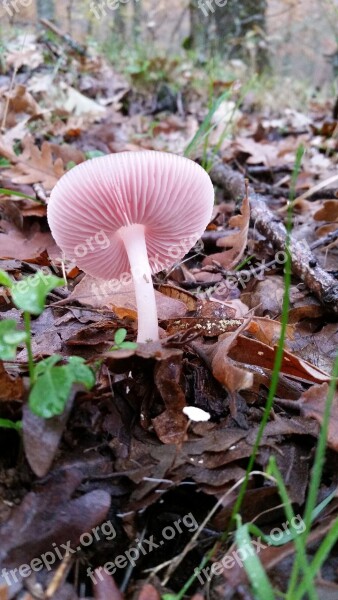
(50, 383)
(10, 338)
(7, 424)
(120, 344)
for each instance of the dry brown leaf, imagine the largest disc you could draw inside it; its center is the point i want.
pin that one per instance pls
(29, 55)
(98, 293)
(170, 425)
(329, 212)
(312, 404)
(235, 242)
(105, 586)
(10, 388)
(21, 101)
(3, 592)
(224, 369)
(268, 331)
(16, 245)
(44, 433)
(210, 319)
(33, 165)
(67, 153)
(173, 292)
(148, 592)
(74, 102)
(256, 353)
(260, 152)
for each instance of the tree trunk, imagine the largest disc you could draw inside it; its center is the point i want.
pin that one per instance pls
(235, 30)
(137, 20)
(46, 9)
(198, 28)
(120, 25)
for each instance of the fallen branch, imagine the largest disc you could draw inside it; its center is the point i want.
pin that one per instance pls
(303, 263)
(65, 37)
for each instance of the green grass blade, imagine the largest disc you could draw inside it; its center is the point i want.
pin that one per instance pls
(323, 505)
(253, 567)
(316, 473)
(206, 126)
(300, 548)
(7, 192)
(319, 558)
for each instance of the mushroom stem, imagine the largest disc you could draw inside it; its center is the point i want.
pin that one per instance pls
(135, 244)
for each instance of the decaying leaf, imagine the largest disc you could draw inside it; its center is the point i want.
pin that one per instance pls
(120, 297)
(233, 243)
(11, 388)
(312, 405)
(210, 319)
(16, 245)
(256, 353)
(224, 369)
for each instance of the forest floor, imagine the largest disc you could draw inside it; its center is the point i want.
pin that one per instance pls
(123, 490)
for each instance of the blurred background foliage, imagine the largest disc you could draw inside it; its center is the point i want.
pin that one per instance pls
(277, 39)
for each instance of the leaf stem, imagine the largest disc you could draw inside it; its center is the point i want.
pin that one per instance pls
(27, 321)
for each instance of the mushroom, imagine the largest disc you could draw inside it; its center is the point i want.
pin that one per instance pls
(152, 207)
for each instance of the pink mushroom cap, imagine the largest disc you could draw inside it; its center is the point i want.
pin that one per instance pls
(171, 196)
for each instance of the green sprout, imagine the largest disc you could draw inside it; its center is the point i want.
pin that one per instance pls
(120, 344)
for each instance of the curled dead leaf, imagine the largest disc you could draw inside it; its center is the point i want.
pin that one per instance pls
(234, 243)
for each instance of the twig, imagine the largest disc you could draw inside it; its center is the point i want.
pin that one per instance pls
(303, 262)
(59, 577)
(65, 37)
(40, 192)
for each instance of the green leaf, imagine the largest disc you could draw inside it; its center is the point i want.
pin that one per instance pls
(94, 154)
(80, 372)
(53, 384)
(5, 279)
(129, 345)
(30, 293)
(7, 424)
(120, 336)
(10, 338)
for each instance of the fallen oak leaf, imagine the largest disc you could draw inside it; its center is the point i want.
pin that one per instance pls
(33, 165)
(21, 101)
(259, 153)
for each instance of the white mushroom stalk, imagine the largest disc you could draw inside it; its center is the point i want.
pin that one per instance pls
(134, 241)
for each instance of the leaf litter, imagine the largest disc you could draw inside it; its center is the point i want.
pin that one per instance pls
(125, 451)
